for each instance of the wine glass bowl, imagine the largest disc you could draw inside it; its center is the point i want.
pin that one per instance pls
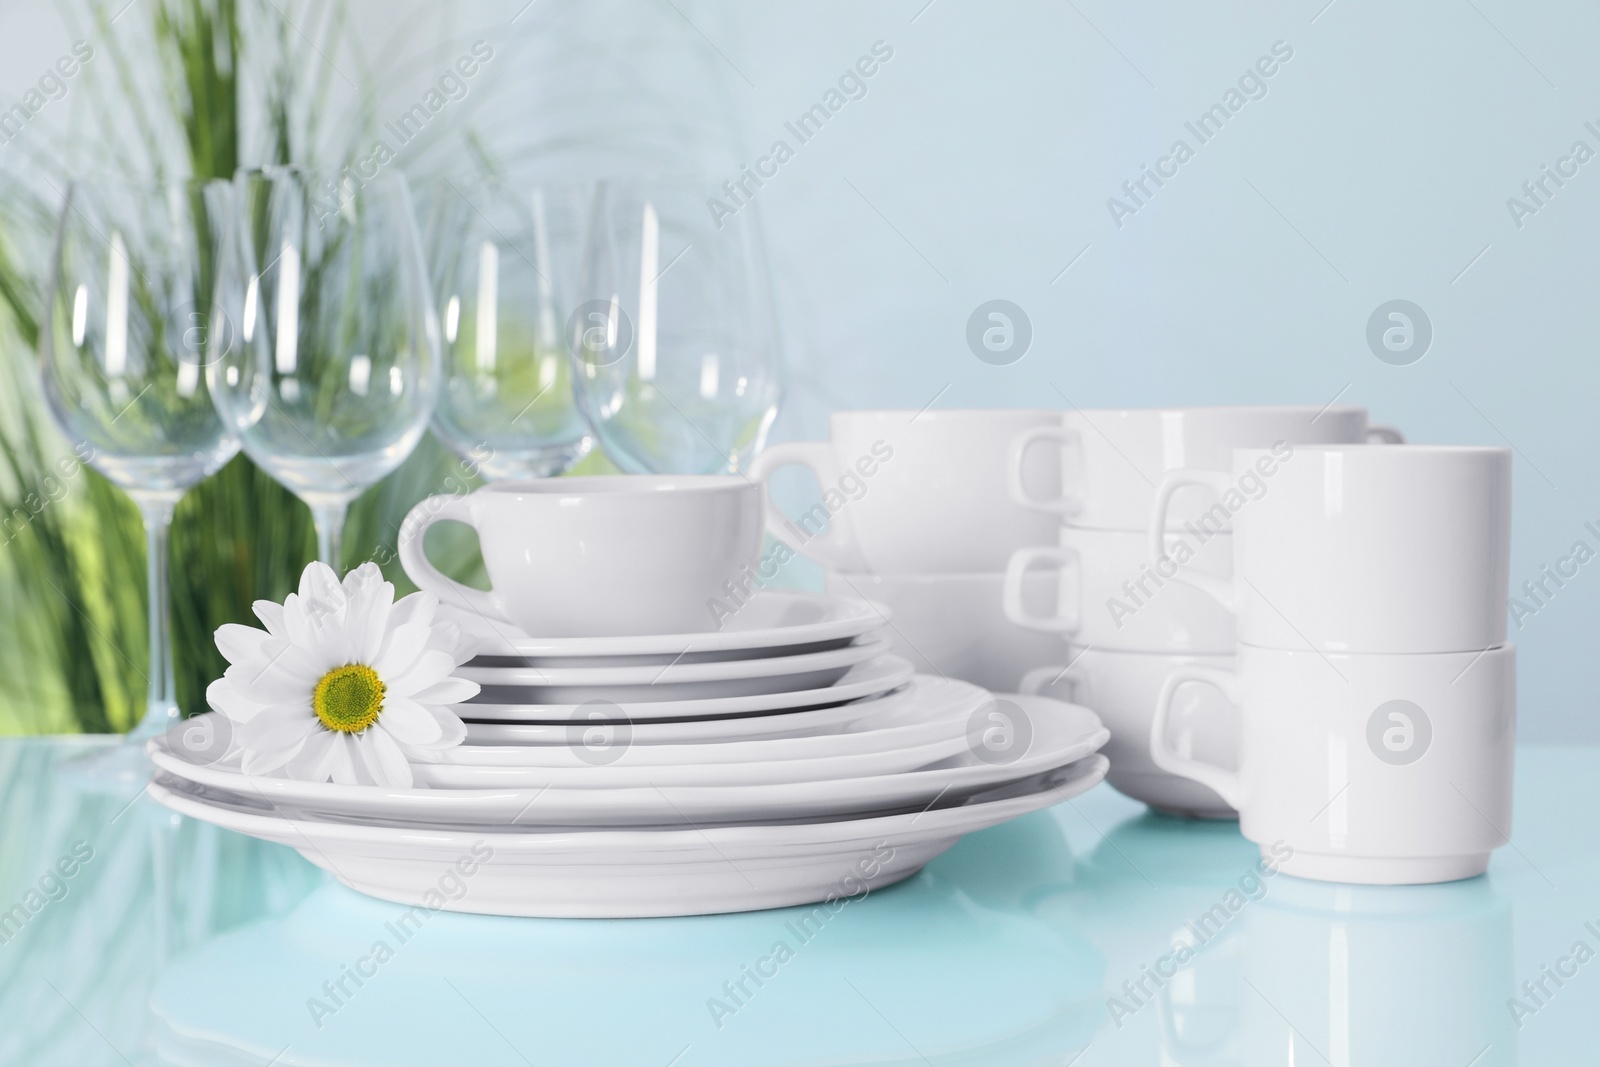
(500, 260)
(675, 346)
(129, 326)
(335, 371)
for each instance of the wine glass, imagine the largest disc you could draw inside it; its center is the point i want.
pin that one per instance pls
(675, 345)
(128, 329)
(497, 257)
(336, 369)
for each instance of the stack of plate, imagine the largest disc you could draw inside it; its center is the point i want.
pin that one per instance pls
(784, 759)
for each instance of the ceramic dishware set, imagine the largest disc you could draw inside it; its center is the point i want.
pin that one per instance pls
(1375, 687)
(1126, 623)
(633, 751)
(915, 515)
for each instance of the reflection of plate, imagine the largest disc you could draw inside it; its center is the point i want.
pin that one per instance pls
(916, 975)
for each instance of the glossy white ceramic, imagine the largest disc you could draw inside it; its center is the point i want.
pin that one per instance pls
(1121, 688)
(914, 492)
(1112, 459)
(631, 873)
(598, 556)
(1362, 548)
(1371, 768)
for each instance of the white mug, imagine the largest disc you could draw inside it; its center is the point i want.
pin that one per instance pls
(1112, 459)
(1112, 596)
(1121, 688)
(1372, 768)
(598, 557)
(1359, 548)
(907, 492)
(951, 624)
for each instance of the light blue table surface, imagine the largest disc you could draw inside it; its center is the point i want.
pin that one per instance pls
(174, 942)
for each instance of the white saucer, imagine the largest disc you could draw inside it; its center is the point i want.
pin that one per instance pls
(1061, 733)
(872, 678)
(772, 619)
(618, 874)
(927, 709)
(674, 681)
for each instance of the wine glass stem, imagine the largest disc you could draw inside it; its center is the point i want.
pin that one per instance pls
(329, 520)
(161, 707)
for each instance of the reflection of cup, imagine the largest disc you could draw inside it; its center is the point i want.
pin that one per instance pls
(1121, 688)
(1109, 596)
(908, 492)
(1376, 769)
(952, 624)
(1376, 974)
(598, 557)
(1112, 460)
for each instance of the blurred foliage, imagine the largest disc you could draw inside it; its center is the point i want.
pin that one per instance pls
(231, 85)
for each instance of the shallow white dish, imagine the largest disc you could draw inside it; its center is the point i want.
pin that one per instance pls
(771, 619)
(875, 677)
(927, 709)
(1061, 733)
(673, 681)
(633, 873)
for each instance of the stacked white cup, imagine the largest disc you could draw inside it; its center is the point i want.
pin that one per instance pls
(1127, 622)
(915, 514)
(1375, 687)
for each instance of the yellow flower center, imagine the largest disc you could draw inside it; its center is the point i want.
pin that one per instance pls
(349, 698)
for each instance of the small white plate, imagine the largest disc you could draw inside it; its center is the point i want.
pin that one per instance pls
(674, 681)
(927, 709)
(1059, 734)
(772, 619)
(633, 873)
(872, 678)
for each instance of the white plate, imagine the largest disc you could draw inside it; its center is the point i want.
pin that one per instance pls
(673, 681)
(866, 680)
(772, 619)
(1060, 733)
(927, 709)
(632, 873)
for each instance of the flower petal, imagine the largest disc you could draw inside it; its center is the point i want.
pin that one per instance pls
(426, 670)
(224, 696)
(449, 691)
(452, 730)
(385, 762)
(367, 621)
(403, 647)
(316, 755)
(275, 728)
(265, 761)
(239, 643)
(270, 612)
(341, 761)
(418, 607)
(408, 721)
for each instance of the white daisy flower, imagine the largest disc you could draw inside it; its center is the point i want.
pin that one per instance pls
(344, 683)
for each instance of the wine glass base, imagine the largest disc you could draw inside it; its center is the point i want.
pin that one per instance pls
(121, 768)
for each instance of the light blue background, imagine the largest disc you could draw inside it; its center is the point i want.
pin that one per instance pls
(978, 167)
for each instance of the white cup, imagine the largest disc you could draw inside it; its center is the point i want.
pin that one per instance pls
(1112, 459)
(1372, 768)
(1121, 688)
(1110, 595)
(598, 557)
(908, 492)
(1360, 548)
(951, 624)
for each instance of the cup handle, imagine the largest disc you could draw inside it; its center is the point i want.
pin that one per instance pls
(1065, 504)
(1011, 596)
(428, 577)
(837, 548)
(1220, 589)
(1224, 783)
(1036, 679)
(1382, 434)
